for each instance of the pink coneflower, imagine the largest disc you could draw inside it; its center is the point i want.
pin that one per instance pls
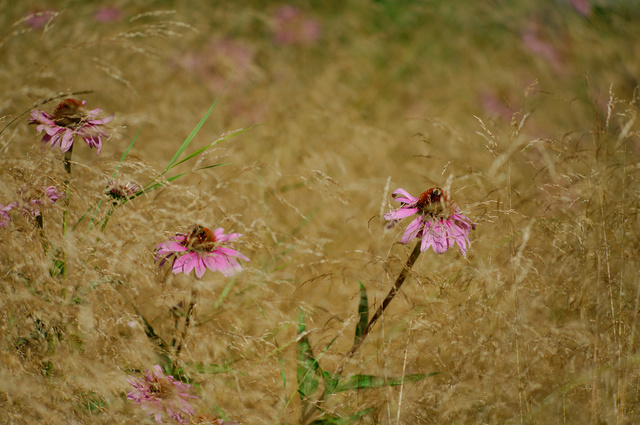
(439, 223)
(108, 14)
(5, 218)
(292, 27)
(71, 118)
(541, 44)
(214, 61)
(37, 20)
(201, 249)
(157, 393)
(33, 199)
(583, 7)
(121, 191)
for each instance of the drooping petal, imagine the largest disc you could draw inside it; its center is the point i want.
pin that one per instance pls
(200, 267)
(400, 213)
(412, 230)
(440, 240)
(231, 253)
(179, 265)
(191, 259)
(102, 121)
(210, 262)
(406, 196)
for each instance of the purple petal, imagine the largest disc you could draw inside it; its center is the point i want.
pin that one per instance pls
(406, 196)
(102, 121)
(412, 230)
(400, 213)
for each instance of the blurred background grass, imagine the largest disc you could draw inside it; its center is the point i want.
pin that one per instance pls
(525, 111)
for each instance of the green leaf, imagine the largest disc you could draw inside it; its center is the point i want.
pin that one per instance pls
(188, 140)
(366, 382)
(363, 312)
(223, 295)
(307, 371)
(199, 151)
(126, 152)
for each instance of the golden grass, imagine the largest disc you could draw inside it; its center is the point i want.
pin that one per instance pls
(538, 324)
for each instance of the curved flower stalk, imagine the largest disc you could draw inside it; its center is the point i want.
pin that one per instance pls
(71, 118)
(158, 393)
(439, 223)
(201, 249)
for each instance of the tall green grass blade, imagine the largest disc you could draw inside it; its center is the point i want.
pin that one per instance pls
(224, 293)
(307, 371)
(363, 312)
(281, 364)
(199, 151)
(193, 133)
(126, 152)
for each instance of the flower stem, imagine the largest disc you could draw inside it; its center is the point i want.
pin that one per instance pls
(67, 167)
(356, 345)
(392, 293)
(187, 322)
(40, 223)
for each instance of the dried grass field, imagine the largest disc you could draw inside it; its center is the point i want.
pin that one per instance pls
(292, 124)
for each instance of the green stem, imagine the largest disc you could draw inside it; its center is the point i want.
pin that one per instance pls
(40, 223)
(67, 191)
(392, 293)
(192, 304)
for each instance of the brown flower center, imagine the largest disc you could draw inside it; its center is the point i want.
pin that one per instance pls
(434, 202)
(162, 389)
(69, 113)
(200, 239)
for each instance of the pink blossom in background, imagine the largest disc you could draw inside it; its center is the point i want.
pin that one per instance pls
(37, 20)
(32, 200)
(540, 45)
(158, 393)
(120, 191)
(291, 26)
(108, 14)
(583, 7)
(439, 223)
(201, 249)
(496, 106)
(71, 118)
(5, 218)
(217, 60)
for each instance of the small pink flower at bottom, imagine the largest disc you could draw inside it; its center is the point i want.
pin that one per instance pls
(158, 393)
(33, 199)
(71, 118)
(439, 223)
(121, 191)
(201, 249)
(291, 26)
(108, 14)
(5, 218)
